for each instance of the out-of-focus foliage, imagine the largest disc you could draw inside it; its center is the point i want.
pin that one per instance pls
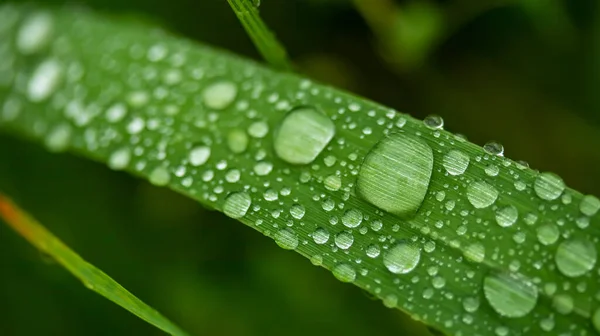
(521, 72)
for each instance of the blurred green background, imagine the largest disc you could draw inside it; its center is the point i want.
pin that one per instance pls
(522, 72)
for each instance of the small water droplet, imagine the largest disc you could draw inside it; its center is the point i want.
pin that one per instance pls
(589, 205)
(456, 162)
(58, 139)
(547, 234)
(481, 194)
(344, 240)
(596, 320)
(44, 81)
(434, 122)
(333, 182)
(563, 303)
(302, 135)
(237, 204)
(233, 176)
(344, 272)
(258, 129)
(160, 176)
(492, 170)
(199, 155)
(402, 258)
(219, 95)
(237, 141)
(395, 175)
(297, 211)
(352, 218)
(475, 252)
(116, 113)
(507, 216)
(470, 304)
(376, 225)
(286, 239)
(35, 33)
(390, 301)
(575, 257)
(320, 236)
(119, 159)
(494, 148)
(548, 186)
(373, 251)
(509, 296)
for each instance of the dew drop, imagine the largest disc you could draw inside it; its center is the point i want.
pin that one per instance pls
(263, 168)
(494, 148)
(589, 205)
(233, 176)
(481, 194)
(575, 257)
(390, 301)
(563, 303)
(434, 122)
(456, 162)
(548, 186)
(547, 234)
(395, 175)
(219, 95)
(286, 239)
(237, 204)
(376, 225)
(320, 236)
(258, 129)
(507, 216)
(35, 33)
(596, 320)
(344, 240)
(44, 81)
(402, 258)
(160, 176)
(333, 182)
(373, 251)
(58, 139)
(302, 135)
(297, 211)
(509, 296)
(470, 304)
(116, 113)
(237, 141)
(352, 218)
(344, 272)
(475, 252)
(119, 159)
(492, 170)
(199, 155)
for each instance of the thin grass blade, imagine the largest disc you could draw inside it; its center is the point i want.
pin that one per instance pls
(90, 276)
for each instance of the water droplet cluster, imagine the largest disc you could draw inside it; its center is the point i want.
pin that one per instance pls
(428, 222)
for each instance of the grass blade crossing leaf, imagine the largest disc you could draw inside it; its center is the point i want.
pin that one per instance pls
(457, 235)
(92, 277)
(264, 40)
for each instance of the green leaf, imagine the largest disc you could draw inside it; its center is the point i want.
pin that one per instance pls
(467, 241)
(264, 40)
(90, 276)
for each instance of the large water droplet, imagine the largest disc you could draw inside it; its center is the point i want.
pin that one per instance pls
(433, 122)
(286, 239)
(344, 240)
(395, 174)
(509, 296)
(199, 155)
(575, 257)
(302, 135)
(344, 272)
(456, 162)
(481, 194)
(547, 234)
(35, 33)
(589, 205)
(548, 186)
(44, 80)
(352, 218)
(237, 204)
(507, 215)
(219, 95)
(402, 258)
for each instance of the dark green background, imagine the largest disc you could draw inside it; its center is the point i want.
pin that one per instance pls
(523, 72)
